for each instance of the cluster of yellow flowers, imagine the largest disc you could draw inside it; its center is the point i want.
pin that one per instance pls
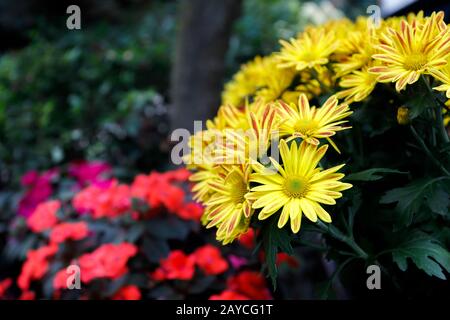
(268, 100)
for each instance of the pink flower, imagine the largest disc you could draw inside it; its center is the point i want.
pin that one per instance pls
(89, 172)
(39, 189)
(237, 262)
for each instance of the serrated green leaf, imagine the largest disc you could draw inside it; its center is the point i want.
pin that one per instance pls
(410, 198)
(439, 199)
(275, 239)
(425, 252)
(370, 174)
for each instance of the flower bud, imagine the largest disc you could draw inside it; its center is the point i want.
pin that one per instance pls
(403, 116)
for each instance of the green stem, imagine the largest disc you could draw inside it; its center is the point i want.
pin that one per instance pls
(441, 126)
(337, 234)
(438, 111)
(427, 151)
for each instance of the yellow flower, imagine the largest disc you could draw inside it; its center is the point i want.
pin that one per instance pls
(357, 85)
(259, 78)
(228, 209)
(299, 187)
(239, 145)
(412, 50)
(200, 159)
(312, 49)
(359, 50)
(443, 75)
(309, 123)
(243, 84)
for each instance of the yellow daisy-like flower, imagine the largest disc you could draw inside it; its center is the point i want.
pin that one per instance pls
(443, 75)
(309, 123)
(249, 142)
(200, 159)
(413, 50)
(360, 51)
(357, 85)
(259, 78)
(228, 209)
(299, 187)
(312, 49)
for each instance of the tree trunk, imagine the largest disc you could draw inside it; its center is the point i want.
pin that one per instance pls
(197, 74)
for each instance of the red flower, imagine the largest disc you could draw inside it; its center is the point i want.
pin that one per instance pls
(27, 295)
(177, 266)
(110, 202)
(36, 265)
(89, 172)
(128, 293)
(251, 284)
(107, 261)
(190, 211)
(44, 217)
(248, 239)
(60, 279)
(228, 295)
(210, 260)
(157, 190)
(285, 258)
(69, 231)
(4, 286)
(178, 175)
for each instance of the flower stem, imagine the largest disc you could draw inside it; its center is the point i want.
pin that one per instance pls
(440, 121)
(427, 151)
(337, 234)
(438, 111)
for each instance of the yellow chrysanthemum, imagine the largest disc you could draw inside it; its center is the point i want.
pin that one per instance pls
(258, 79)
(309, 123)
(412, 50)
(228, 209)
(357, 85)
(200, 160)
(312, 49)
(249, 142)
(243, 84)
(443, 75)
(299, 187)
(359, 51)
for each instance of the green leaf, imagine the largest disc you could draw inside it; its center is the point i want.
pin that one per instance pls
(418, 102)
(370, 174)
(425, 252)
(410, 198)
(275, 240)
(439, 199)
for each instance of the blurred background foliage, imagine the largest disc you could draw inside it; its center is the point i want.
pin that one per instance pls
(100, 92)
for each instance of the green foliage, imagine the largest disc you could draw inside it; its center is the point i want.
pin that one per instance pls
(370, 174)
(89, 94)
(409, 199)
(274, 240)
(426, 253)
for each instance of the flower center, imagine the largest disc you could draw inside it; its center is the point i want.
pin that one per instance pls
(305, 126)
(237, 188)
(295, 187)
(415, 61)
